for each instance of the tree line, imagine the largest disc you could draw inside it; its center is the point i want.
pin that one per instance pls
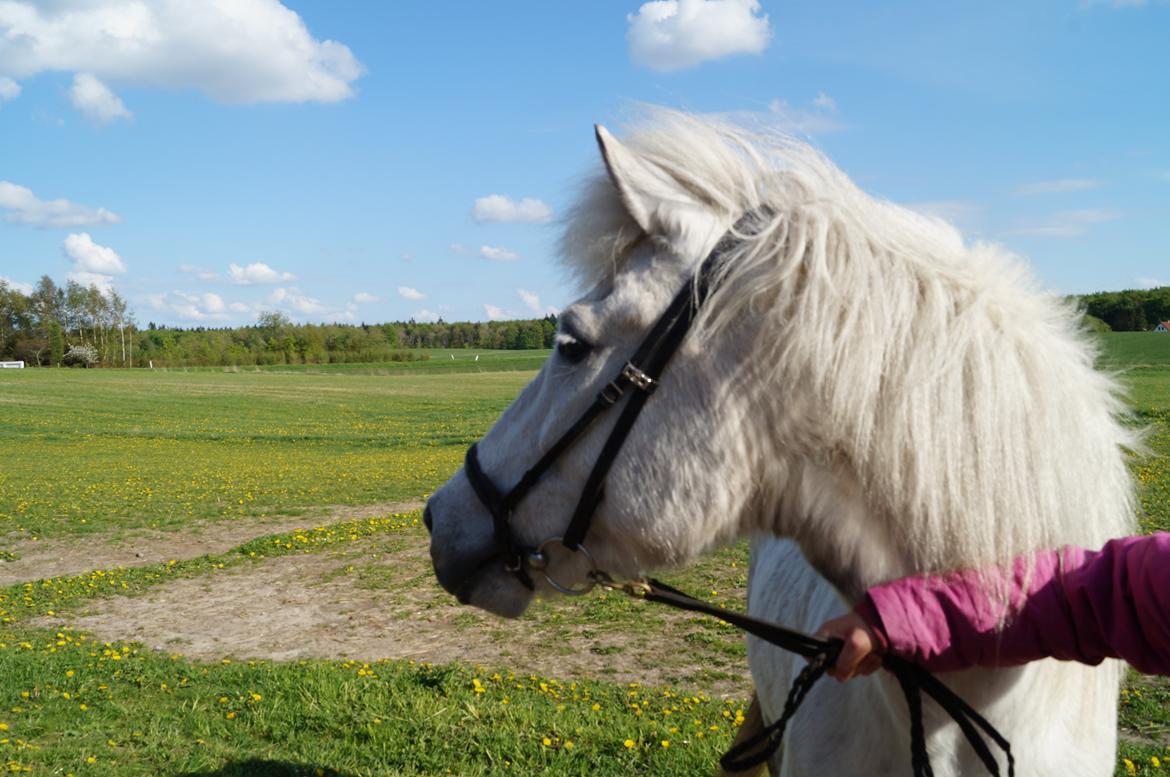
(273, 339)
(1132, 310)
(42, 328)
(58, 325)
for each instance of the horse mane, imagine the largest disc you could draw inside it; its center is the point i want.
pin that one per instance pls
(962, 398)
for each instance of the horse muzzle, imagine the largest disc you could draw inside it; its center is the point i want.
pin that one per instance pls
(467, 562)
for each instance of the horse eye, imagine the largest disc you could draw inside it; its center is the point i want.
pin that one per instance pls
(572, 349)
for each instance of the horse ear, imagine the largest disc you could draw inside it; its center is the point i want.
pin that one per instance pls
(655, 199)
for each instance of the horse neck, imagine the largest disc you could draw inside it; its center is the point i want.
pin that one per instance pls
(825, 512)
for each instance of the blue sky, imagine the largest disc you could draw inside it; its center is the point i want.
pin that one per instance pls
(382, 161)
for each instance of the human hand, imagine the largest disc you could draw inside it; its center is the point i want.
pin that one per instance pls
(859, 655)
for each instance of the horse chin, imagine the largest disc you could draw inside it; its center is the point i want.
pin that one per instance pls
(497, 592)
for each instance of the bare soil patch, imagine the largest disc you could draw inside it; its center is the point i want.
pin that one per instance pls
(316, 606)
(38, 559)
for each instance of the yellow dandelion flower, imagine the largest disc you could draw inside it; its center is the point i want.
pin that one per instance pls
(666, 743)
(629, 743)
(546, 741)
(568, 744)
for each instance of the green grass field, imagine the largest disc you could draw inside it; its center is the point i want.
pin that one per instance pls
(432, 360)
(92, 454)
(1127, 350)
(92, 451)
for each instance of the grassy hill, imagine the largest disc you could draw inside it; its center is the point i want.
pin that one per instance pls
(1129, 350)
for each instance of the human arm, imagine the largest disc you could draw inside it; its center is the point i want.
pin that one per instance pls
(1071, 604)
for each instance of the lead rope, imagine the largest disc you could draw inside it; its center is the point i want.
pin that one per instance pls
(822, 654)
(754, 751)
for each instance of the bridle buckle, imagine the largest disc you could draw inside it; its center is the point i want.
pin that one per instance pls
(638, 378)
(611, 393)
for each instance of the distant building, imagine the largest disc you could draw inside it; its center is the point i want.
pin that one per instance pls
(12, 365)
(1163, 326)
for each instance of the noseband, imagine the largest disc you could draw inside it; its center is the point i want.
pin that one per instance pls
(639, 377)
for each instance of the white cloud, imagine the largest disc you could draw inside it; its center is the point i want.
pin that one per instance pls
(213, 303)
(1068, 223)
(532, 300)
(497, 314)
(26, 208)
(498, 254)
(194, 307)
(425, 315)
(242, 51)
(294, 300)
(256, 272)
(458, 248)
(825, 103)
(408, 293)
(363, 296)
(800, 120)
(958, 212)
(1150, 283)
(667, 35)
(23, 288)
(87, 279)
(501, 207)
(210, 306)
(199, 272)
(95, 100)
(89, 257)
(9, 89)
(1060, 186)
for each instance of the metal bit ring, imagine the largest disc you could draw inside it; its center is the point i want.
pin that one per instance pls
(538, 561)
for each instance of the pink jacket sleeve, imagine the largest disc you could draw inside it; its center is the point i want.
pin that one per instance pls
(1076, 605)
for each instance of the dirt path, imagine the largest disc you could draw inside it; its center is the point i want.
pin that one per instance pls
(76, 555)
(316, 606)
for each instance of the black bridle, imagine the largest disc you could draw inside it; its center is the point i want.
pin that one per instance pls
(641, 374)
(639, 377)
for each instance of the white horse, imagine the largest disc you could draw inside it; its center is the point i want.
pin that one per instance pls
(861, 383)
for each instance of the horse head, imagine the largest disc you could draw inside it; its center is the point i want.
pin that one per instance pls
(857, 378)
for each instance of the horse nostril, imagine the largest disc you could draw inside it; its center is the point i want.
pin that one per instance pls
(428, 519)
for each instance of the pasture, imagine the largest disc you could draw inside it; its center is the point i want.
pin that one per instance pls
(223, 573)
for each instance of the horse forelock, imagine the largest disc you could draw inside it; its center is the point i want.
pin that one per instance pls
(961, 397)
